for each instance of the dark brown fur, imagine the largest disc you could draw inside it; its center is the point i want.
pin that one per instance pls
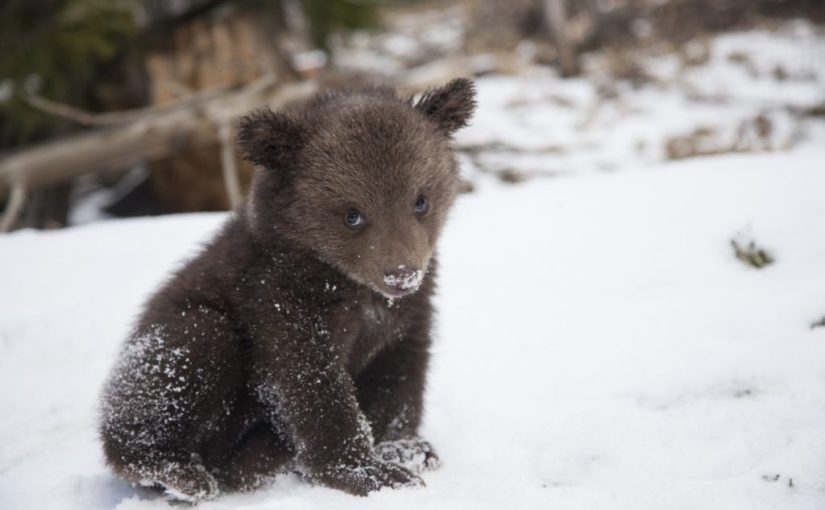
(277, 347)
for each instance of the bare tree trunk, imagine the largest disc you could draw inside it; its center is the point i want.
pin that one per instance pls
(229, 164)
(14, 207)
(555, 18)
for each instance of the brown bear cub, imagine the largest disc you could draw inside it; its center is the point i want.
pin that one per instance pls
(299, 337)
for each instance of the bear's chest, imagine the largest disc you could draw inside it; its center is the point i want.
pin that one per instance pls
(366, 327)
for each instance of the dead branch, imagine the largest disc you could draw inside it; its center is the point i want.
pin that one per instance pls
(150, 136)
(85, 118)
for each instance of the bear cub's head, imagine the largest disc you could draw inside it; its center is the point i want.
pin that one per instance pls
(362, 178)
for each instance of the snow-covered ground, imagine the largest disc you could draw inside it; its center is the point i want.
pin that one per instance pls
(598, 344)
(748, 92)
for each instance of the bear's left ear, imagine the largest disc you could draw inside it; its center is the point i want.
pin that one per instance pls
(450, 106)
(270, 139)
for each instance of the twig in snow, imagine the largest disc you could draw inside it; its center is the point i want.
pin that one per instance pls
(751, 255)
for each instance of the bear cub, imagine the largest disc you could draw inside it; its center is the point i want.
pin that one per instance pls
(298, 338)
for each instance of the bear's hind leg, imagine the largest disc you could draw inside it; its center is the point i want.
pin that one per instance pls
(173, 400)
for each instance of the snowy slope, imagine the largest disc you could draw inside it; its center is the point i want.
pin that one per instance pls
(598, 346)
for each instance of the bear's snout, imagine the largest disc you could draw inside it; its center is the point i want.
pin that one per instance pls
(403, 279)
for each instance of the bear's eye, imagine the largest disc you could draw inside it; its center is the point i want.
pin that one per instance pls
(353, 219)
(421, 205)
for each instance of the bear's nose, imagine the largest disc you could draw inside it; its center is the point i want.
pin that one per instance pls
(403, 278)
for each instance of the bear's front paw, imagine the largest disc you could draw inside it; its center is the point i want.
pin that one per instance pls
(372, 476)
(184, 482)
(415, 454)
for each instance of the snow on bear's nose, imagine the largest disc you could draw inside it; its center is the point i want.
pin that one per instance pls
(404, 279)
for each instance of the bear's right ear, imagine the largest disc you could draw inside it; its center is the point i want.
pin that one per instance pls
(269, 139)
(450, 106)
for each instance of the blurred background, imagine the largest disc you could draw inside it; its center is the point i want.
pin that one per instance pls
(116, 108)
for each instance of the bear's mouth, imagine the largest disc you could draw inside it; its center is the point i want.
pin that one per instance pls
(392, 292)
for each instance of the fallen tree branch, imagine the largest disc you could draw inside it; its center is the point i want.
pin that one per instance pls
(150, 136)
(86, 118)
(65, 111)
